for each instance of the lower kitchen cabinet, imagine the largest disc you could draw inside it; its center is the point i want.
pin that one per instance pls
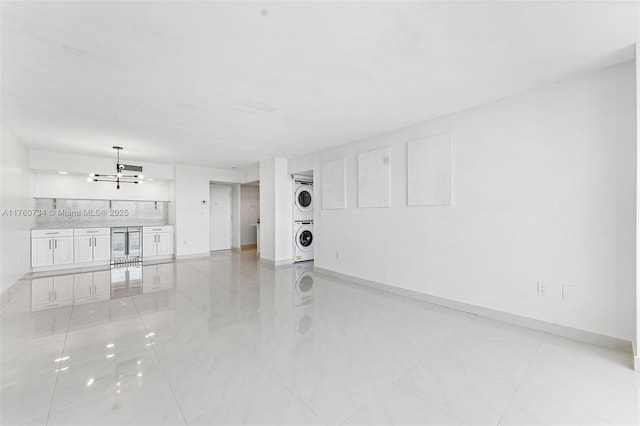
(92, 245)
(157, 241)
(51, 247)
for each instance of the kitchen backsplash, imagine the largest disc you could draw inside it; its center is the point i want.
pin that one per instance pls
(67, 213)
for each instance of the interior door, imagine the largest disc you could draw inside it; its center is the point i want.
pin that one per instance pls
(220, 217)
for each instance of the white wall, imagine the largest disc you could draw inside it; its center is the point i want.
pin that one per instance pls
(249, 212)
(251, 174)
(267, 210)
(172, 204)
(192, 217)
(53, 185)
(636, 340)
(16, 193)
(84, 164)
(236, 220)
(544, 190)
(284, 213)
(276, 211)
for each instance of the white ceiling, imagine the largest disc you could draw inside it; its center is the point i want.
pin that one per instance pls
(220, 84)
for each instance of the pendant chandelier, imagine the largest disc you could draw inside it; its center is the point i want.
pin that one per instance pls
(120, 176)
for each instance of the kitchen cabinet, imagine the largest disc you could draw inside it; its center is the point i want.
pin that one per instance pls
(164, 244)
(102, 247)
(148, 244)
(157, 241)
(51, 247)
(92, 245)
(83, 249)
(41, 252)
(62, 250)
(51, 292)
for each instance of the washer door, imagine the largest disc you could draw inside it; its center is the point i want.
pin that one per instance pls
(304, 238)
(304, 198)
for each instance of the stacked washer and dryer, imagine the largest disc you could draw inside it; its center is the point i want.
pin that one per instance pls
(303, 218)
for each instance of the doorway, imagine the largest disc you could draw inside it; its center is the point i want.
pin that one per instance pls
(220, 217)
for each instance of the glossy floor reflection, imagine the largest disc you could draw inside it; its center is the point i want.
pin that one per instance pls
(226, 340)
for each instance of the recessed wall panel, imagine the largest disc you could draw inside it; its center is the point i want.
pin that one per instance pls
(334, 193)
(430, 171)
(374, 178)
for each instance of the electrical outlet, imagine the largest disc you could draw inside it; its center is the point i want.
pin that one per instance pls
(338, 255)
(184, 242)
(542, 288)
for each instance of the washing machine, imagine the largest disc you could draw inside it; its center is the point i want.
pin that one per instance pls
(303, 245)
(302, 200)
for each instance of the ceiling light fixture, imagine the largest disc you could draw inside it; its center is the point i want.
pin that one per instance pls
(63, 173)
(119, 177)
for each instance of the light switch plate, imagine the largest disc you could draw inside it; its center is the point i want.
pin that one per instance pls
(569, 292)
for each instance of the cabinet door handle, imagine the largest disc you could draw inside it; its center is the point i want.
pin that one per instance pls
(55, 294)
(55, 243)
(89, 242)
(49, 295)
(49, 244)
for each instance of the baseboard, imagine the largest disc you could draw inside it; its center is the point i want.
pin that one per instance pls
(276, 263)
(69, 266)
(192, 256)
(535, 324)
(156, 258)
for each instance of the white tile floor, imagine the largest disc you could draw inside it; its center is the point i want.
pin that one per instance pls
(232, 341)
